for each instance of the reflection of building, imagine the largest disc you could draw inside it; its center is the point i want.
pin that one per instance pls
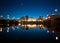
(29, 26)
(41, 26)
(51, 21)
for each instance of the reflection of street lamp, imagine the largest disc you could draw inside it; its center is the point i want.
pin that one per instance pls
(8, 29)
(1, 29)
(31, 26)
(13, 28)
(41, 26)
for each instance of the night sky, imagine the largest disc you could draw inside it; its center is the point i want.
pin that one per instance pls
(31, 8)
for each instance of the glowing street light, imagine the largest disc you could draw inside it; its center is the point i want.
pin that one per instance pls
(56, 38)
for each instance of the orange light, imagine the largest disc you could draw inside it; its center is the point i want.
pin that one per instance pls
(31, 26)
(49, 17)
(31, 19)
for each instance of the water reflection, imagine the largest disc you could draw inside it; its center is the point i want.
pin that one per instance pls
(0, 29)
(26, 30)
(28, 26)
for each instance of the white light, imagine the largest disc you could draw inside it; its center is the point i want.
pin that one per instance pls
(56, 10)
(19, 24)
(13, 28)
(56, 38)
(45, 18)
(8, 29)
(47, 31)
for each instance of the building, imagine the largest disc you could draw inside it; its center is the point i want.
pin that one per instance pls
(31, 19)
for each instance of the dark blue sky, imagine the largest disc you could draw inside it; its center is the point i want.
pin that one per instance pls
(32, 8)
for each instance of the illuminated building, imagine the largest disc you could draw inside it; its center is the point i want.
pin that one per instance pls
(40, 19)
(31, 19)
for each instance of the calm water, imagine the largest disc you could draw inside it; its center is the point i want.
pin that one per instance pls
(17, 33)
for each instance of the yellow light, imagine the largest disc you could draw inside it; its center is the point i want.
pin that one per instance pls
(31, 19)
(40, 20)
(31, 26)
(41, 25)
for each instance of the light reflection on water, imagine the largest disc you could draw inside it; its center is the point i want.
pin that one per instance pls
(37, 32)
